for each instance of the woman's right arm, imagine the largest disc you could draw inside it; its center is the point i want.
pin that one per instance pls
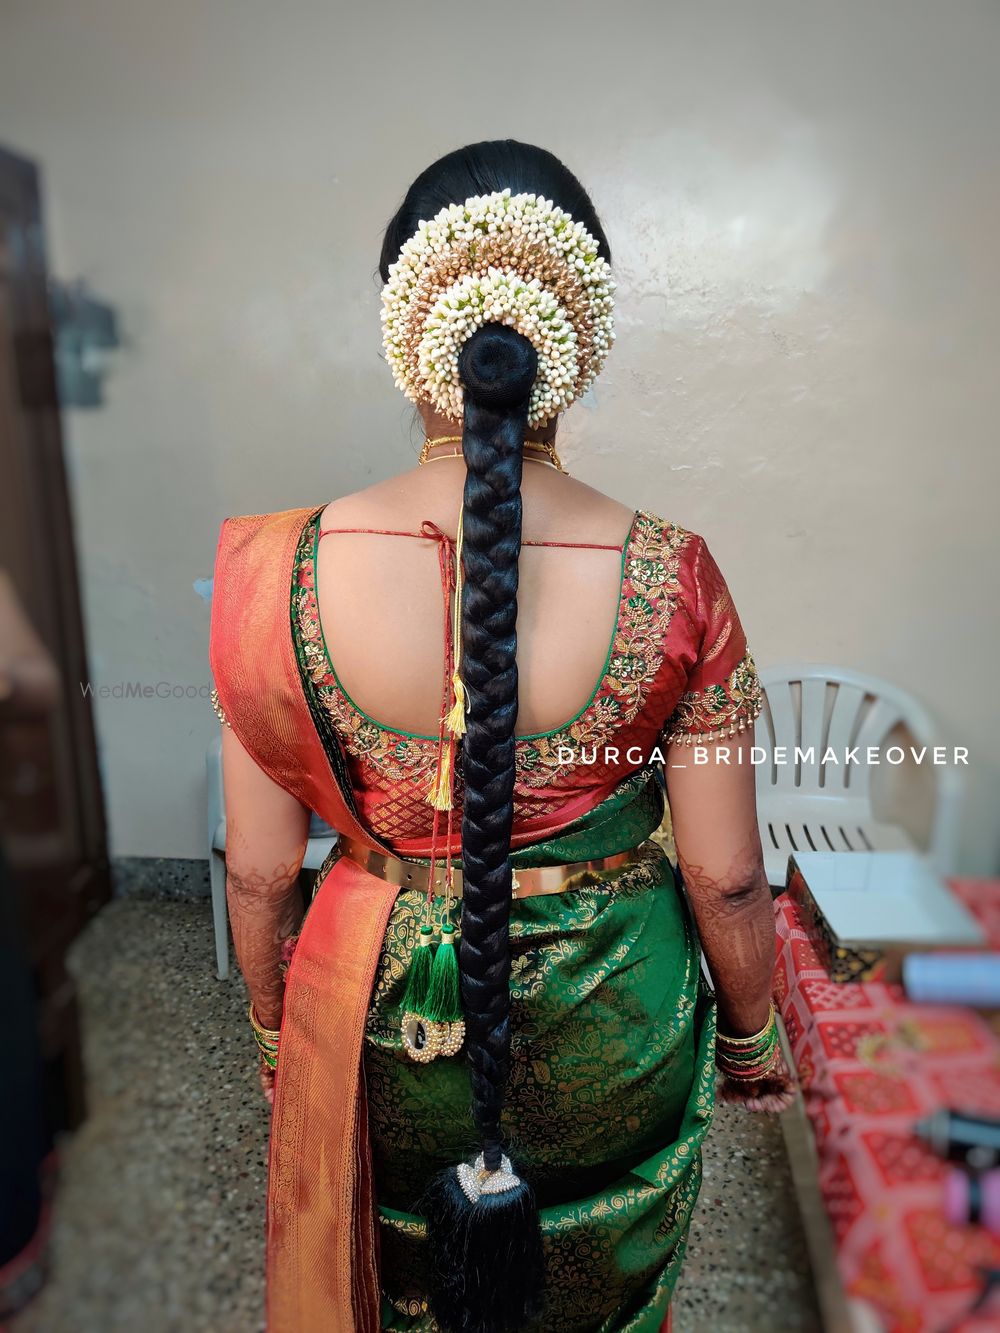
(266, 834)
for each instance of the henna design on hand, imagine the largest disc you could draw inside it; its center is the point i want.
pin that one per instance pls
(735, 917)
(265, 908)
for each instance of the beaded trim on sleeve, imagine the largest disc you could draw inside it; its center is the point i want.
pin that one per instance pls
(214, 697)
(718, 710)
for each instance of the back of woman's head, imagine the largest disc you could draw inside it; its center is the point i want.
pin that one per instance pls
(483, 1230)
(485, 168)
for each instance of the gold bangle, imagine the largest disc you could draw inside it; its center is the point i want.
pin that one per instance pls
(258, 1026)
(757, 1037)
(266, 1038)
(754, 1075)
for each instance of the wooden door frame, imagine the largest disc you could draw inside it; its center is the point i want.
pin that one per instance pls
(56, 844)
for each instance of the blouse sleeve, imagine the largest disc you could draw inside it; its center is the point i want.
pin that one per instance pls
(722, 695)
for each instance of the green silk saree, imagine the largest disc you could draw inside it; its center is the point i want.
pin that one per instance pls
(611, 1086)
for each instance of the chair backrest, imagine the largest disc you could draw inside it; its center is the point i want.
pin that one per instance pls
(319, 828)
(821, 708)
(214, 801)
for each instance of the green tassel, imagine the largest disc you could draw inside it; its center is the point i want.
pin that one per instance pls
(419, 980)
(444, 996)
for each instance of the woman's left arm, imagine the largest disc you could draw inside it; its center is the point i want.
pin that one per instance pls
(714, 810)
(714, 813)
(266, 834)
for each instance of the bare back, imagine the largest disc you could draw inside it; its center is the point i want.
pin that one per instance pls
(382, 611)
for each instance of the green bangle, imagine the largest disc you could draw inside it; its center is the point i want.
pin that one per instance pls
(751, 1074)
(266, 1039)
(748, 1063)
(761, 1038)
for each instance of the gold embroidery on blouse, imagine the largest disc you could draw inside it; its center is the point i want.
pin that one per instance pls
(718, 710)
(391, 754)
(650, 588)
(722, 611)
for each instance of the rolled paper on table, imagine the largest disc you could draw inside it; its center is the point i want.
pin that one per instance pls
(972, 979)
(972, 1139)
(973, 1199)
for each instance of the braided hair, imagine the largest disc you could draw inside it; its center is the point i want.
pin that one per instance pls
(486, 1261)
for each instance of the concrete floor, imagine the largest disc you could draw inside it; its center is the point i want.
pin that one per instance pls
(161, 1201)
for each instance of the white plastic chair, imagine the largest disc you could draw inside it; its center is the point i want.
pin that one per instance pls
(322, 839)
(827, 807)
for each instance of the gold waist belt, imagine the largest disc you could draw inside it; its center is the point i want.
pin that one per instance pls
(527, 880)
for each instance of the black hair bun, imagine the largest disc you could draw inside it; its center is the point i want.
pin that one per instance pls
(497, 367)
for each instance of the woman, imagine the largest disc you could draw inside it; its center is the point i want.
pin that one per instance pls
(492, 1055)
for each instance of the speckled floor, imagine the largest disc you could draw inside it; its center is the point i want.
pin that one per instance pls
(160, 1207)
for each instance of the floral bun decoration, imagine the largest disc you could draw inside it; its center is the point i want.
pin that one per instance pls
(511, 259)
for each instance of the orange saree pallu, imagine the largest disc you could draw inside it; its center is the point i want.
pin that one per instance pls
(322, 1267)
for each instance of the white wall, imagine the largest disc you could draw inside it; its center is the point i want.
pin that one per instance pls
(803, 202)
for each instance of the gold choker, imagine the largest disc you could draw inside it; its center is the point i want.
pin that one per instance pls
(542, 446)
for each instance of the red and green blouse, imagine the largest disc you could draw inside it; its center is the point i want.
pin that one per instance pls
(677, 669)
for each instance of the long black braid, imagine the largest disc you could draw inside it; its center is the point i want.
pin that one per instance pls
(486, 1256)
(497, 367)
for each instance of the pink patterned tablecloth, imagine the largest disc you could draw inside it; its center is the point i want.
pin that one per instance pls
(871, 1064)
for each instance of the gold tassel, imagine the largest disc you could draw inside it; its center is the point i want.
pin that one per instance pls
(439, 795)
(455, 721)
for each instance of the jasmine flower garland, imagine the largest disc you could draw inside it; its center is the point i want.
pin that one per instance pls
(510, 259)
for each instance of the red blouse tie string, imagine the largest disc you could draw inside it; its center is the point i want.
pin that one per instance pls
(441, 794)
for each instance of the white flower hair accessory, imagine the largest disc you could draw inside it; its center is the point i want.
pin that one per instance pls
(507, 258)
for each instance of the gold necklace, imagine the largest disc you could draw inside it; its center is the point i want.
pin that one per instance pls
(545, 446)
(545, 462)
(441, 439)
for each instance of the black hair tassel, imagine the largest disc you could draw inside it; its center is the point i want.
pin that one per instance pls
(485, 1248)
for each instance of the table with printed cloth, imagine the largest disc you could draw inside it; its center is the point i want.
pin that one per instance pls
(871, 1064)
